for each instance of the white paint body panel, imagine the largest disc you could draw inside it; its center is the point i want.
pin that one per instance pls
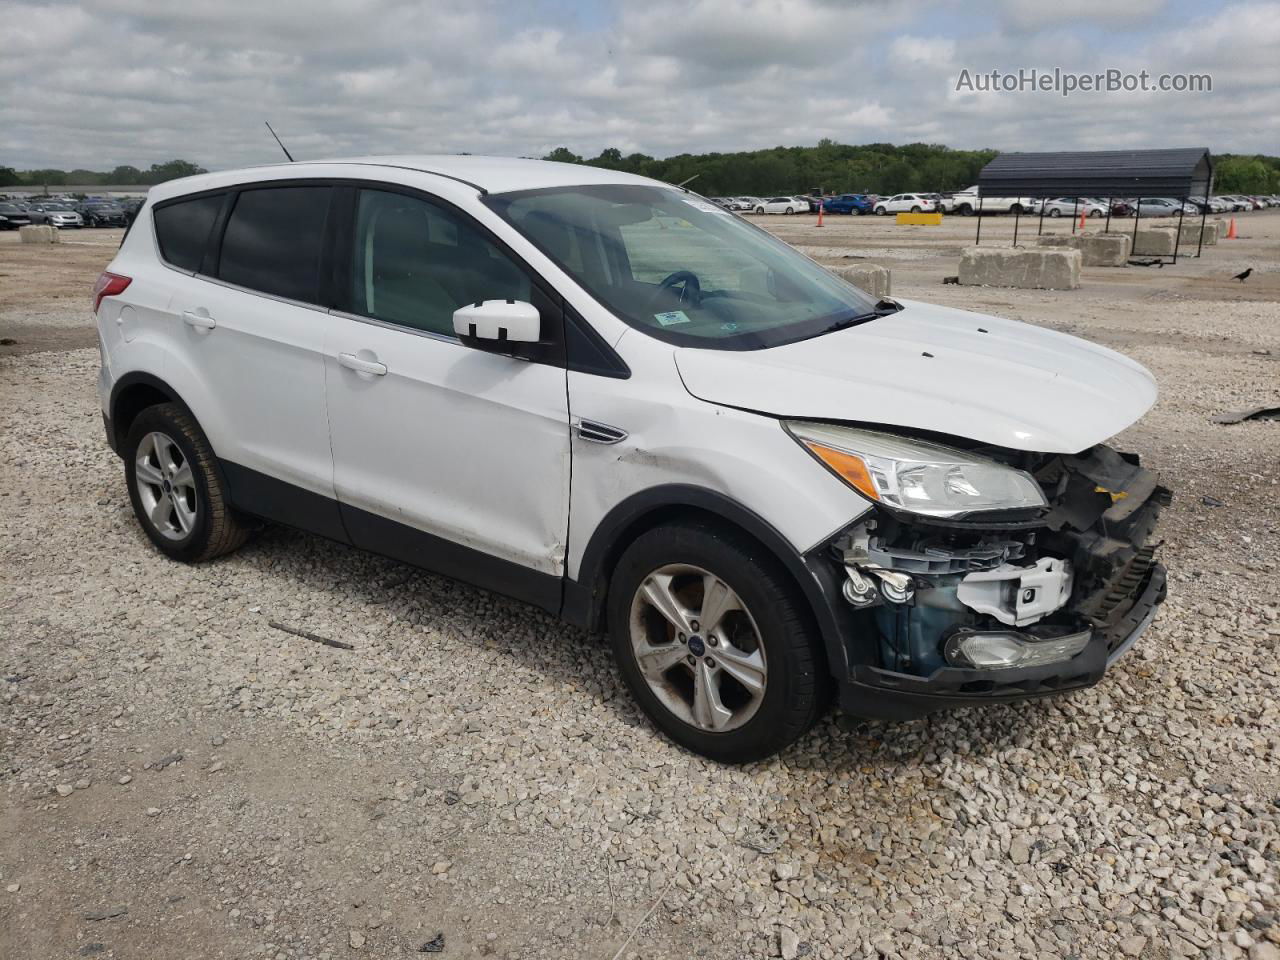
(466, 445)
(1016, 385)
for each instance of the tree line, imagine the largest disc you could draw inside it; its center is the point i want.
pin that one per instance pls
(880, 168)
(123, 175)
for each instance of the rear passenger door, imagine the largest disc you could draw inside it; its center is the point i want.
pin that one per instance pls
(254, 320)
(445, 456)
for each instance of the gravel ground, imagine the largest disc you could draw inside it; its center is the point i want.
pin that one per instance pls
(179, 778)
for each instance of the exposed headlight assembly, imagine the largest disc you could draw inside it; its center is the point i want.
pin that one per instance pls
(915, 475)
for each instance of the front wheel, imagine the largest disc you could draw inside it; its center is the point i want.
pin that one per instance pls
(759, 210)
(714, 643)
(881, 211)
(176, 492)
(1055, 212)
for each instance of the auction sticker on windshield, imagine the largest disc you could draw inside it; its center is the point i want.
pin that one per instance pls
(671, 319)
(704, 206)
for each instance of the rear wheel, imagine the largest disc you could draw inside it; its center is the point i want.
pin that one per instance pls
(175, 489)
(714, 644)
(1055, 212)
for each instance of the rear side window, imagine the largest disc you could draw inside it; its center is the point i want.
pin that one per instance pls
(274, 240)
(182, 229)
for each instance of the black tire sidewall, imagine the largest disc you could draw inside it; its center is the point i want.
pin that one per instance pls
(792, 688)
(161, 419)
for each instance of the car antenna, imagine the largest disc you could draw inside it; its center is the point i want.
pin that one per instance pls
(681, 184)
(282, 146)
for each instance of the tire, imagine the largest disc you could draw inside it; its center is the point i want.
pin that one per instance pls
(965, 210)
(1055, 212)
(881, 211)
(211, 527)
(770, 617)
(759, 210)
(915, 209)
(1016, 209)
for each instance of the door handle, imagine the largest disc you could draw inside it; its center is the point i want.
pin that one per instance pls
(371, 367)
(200, 321)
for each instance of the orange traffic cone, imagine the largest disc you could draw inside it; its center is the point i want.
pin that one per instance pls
(1081, 219)
(1231, 230)
(819, 213)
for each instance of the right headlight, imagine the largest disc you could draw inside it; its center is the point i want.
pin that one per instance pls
(915, 475)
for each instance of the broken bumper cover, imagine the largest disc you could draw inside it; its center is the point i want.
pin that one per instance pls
(877, 693)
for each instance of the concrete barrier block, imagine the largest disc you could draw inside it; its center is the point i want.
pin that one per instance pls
(1059, 240)
(1105, 249)
(1155, 242)
(1096, 249)
(1050, 269)
(866, 276)
(39, 233)
(1191, 233)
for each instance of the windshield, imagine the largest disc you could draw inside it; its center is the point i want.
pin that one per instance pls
(680, 268)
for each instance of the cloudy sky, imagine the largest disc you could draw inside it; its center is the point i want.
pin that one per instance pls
(98, 83)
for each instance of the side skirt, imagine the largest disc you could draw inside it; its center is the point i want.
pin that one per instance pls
(275, 500)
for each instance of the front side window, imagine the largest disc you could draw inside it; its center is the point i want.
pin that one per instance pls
(415, 263)
(680, 268)
(274, 239)
(182, 229)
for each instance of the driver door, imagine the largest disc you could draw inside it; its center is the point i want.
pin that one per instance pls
(445, 456)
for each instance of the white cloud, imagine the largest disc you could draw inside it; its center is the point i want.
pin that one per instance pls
(149, 82)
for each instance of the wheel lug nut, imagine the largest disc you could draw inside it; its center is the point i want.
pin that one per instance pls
(692, 660)
(711, 663)
(694, 625)
(683, 638)
(713, 641)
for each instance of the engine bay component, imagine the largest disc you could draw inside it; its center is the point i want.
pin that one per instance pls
(1018, 595)
(859, 589)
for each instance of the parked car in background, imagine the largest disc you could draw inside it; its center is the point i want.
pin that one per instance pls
(13, 216)
(967, 202)
(851, 203)
(1070, 207)
(780, 205)
(759, 491)
(102, 213)
(58, 215)
(1203, 206)
(1164, 207)
(906, 203)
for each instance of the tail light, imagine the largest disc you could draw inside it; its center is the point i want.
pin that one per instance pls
(109, 285)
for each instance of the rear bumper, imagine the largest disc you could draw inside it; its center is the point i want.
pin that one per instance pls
(880, 694)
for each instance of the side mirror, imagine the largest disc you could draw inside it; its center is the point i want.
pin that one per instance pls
(493, 324)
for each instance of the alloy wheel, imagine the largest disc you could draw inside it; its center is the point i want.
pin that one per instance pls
(166, 486)
(698, 647)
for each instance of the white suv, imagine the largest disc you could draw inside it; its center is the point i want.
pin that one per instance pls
(612, 399)
(906, 203)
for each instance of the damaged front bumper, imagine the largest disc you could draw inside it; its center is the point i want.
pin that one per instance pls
(942, 615)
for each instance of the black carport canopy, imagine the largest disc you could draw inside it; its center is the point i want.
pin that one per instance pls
(1177, 173)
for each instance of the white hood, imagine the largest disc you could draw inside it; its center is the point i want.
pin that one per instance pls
(936, 368)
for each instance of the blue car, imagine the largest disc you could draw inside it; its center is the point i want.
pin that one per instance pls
(851, 203)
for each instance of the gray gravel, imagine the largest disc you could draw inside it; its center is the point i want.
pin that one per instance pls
(180, 779)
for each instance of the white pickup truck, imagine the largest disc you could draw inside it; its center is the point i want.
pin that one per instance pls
(965, 203)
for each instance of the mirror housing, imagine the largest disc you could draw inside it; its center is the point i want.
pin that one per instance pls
(499, 326)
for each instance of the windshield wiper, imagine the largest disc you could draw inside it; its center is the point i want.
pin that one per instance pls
(884, 306)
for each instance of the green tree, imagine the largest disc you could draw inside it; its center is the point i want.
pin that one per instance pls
(563, 155)
(172, 170)
(9, 177)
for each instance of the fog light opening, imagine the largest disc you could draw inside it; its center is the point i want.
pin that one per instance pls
(1002, 650)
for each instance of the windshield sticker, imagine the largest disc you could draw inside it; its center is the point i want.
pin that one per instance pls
(672, 318)
(704, 206)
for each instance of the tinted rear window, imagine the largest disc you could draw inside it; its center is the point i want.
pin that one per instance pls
(182, 229)
(274, 239)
